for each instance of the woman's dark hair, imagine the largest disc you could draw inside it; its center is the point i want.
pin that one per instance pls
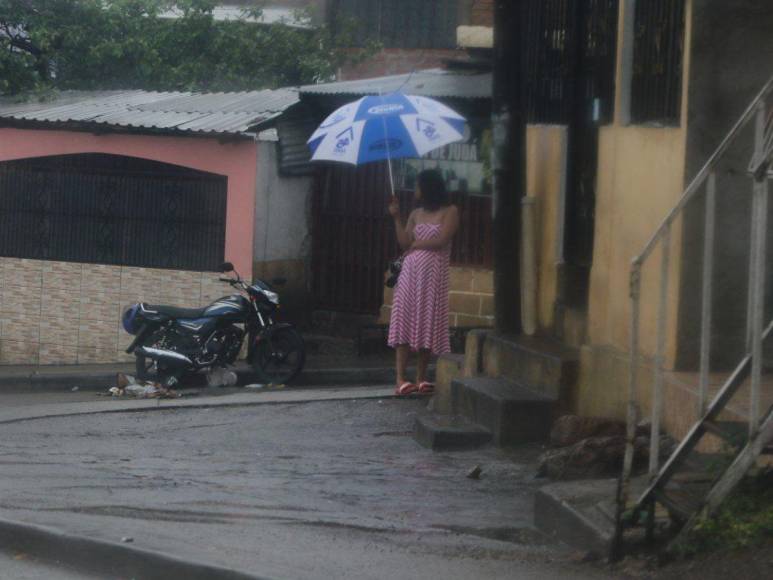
(433, 190)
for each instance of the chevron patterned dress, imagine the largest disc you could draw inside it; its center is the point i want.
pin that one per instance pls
(420, 305)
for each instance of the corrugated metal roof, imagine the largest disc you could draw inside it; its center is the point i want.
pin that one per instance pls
(293, 130)
(215, 113)
(435, 83)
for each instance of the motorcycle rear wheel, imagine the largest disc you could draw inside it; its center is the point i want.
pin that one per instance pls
(279, 359)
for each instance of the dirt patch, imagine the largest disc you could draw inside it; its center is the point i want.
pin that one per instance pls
(749, 563)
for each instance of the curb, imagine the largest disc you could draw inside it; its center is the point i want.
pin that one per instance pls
(102, 557)
(101, 380)
(238, 400)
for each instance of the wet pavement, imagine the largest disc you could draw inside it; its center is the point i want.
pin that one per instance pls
(334, 489)
(20, 566)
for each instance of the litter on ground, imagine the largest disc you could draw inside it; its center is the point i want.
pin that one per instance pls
(129, 386)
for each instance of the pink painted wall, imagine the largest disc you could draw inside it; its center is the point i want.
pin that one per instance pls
(236, 160)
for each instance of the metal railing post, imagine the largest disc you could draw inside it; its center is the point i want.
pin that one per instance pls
(623, 484)
(708, 291)
(660, 350)
(757, 275)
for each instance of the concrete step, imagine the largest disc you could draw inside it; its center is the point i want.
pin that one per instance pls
(444, 432)
(450, 367)
(513, 414)
(578, 513)
(546, 366)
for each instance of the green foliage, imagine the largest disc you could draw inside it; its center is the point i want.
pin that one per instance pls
(118, 44)
(745, 520)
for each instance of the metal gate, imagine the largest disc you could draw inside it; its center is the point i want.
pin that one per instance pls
(354, 237)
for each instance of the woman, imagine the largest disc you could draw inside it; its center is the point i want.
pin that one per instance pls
(419, 320)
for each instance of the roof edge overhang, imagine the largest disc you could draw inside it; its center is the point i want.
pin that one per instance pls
(107, 129)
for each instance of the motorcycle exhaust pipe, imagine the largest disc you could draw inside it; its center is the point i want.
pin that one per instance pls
(167, 356)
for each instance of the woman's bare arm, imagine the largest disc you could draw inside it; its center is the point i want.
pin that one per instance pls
(448, 229)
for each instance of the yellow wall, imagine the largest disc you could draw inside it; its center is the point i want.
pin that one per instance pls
(471, 298)
(640, 179)
(545, 167)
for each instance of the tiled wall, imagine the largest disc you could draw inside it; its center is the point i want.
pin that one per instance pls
(471, 298)
(66, 313)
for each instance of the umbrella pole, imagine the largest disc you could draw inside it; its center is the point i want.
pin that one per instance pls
(391, 174)
(389, 152)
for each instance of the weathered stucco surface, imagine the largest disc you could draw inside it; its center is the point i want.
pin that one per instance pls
(640, 178)
(545, 170)
(235, 160)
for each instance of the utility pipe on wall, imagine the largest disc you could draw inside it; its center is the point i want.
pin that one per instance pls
(529, 265)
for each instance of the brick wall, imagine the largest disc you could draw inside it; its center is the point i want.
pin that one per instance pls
(471, 298)
(482, 13)
(394, 61)
(67, 313)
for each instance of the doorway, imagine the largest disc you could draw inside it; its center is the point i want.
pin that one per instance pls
(569, 64)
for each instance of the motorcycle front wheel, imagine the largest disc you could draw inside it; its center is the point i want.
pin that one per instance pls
(145, 369)
(278, 359)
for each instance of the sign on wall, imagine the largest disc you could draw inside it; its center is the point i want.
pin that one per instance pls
(465, 166)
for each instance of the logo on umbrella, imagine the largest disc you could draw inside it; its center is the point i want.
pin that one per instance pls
(428, 128)
(387, 109)
(345, 139)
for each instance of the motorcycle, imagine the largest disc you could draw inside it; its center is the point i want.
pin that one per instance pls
(170, 342)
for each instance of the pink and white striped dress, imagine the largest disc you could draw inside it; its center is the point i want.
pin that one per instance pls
(420, 305)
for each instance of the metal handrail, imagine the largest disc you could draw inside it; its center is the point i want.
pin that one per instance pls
(706, 176)
(703, 174)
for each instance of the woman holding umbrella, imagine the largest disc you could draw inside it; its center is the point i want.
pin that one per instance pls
(419, 320)
(393, 126)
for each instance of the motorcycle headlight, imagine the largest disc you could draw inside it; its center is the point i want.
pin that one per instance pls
(273, 297)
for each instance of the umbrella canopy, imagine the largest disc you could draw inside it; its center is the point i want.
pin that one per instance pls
(386, 127)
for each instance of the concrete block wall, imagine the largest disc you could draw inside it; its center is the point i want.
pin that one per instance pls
(471, 298)
(70, 313)
(395, 61)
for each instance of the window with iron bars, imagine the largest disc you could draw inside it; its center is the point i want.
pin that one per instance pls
(400, 23)
(658, 59)
(569, 55)
(108, 209)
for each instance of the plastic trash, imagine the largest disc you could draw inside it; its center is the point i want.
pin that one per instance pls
(142, 391)
(221, 378)
(128, 386)
(255, 386)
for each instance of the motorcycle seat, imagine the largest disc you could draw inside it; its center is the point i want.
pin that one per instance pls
(176, 313)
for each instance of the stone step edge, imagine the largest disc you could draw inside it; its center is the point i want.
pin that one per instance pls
(441, 438)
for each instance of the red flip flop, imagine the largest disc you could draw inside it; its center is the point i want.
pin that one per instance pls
(426, 388)
(406, 389)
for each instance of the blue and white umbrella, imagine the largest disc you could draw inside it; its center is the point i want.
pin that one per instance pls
(386, 127)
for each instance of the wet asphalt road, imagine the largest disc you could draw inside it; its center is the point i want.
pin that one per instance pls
(317, 490)
(18, 566)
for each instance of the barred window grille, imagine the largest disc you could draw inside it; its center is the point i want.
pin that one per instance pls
(107, 209)
(569, 56)
(400, 23)
(658, 59)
